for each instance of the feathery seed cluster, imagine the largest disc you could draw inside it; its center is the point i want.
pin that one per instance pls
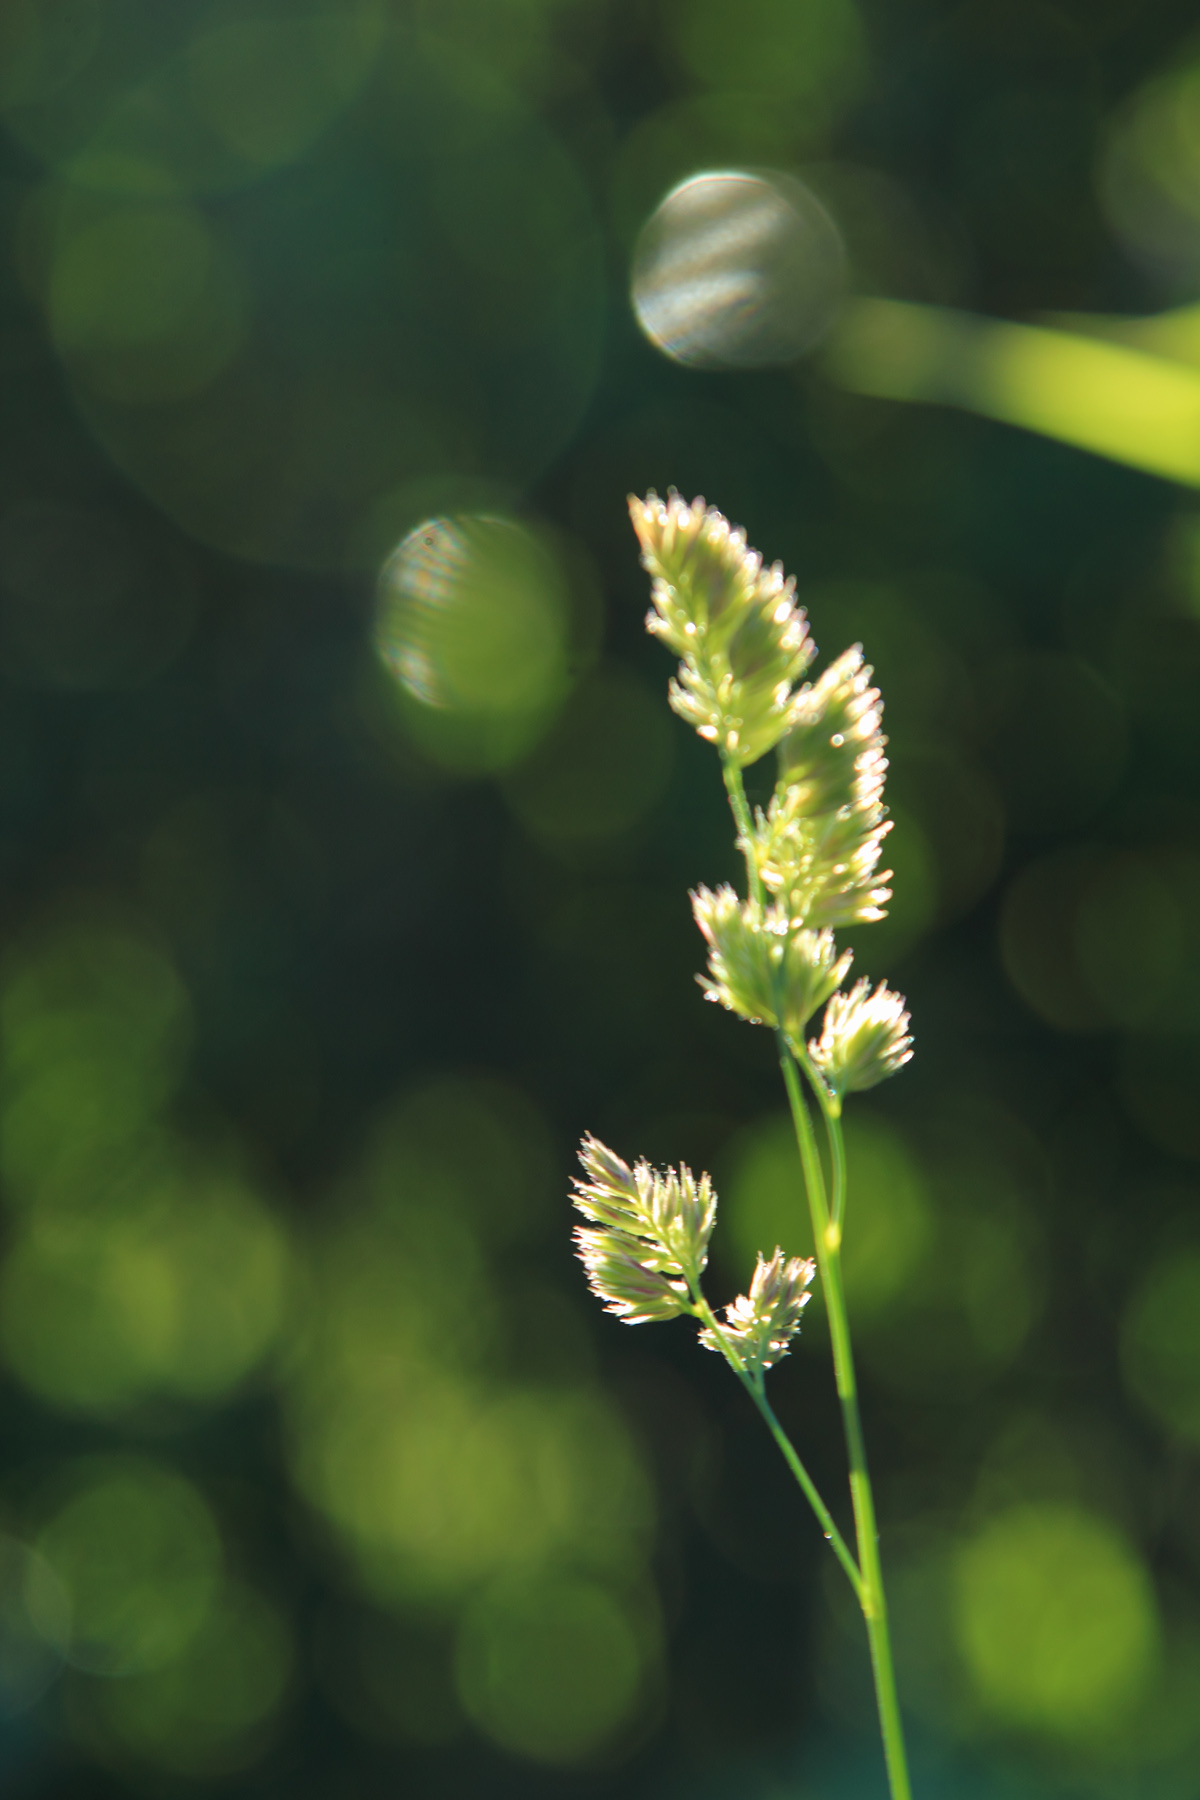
(760, 965)
(812, 866)
(818, 845)
(651, 1243)
(813, 860)
(761, 1324)
(741, 639)
(744, 645)
(647, 1248)
(865, 1039)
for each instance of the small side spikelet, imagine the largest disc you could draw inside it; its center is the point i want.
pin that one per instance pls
(761, 1325)
(834, 750)
(762, 967)
(865, 1039)
(818, 845)
(651, 1241)
(742, 640)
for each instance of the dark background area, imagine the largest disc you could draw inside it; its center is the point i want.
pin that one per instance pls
(320, 1472)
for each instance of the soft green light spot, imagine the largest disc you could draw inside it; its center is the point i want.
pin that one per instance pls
(888, 1216)
(435, 1471)
(266, 88)
(1129, 940)
(762, 1195)
(888, 1219)
(438, 1484)
(35, 1626)
(550, 1666)
(425, 1157)
(43, 48)
(600, 771)
(1057, 1620)
(1160, 1343)
(145, 302)
(179, 1292)
(203, 1713)
(805, 49)
(92, 991)
(137, 1551)
(136, 1270)
(473, 624)
(93, 1027)
(1150, 173)
(912, 910)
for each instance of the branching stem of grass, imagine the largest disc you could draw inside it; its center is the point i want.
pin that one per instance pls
(812, 866)
(756, 1389)
(827, 1235)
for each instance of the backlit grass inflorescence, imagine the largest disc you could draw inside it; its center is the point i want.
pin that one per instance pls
(760, 1325)
(650, 1242)
(760, 966)
(817, 846)
(646, 1249)
(812, 866)
(864, 1040)
(741, 639)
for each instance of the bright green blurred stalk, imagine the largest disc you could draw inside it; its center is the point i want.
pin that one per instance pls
(1128, 389)
(811, 865)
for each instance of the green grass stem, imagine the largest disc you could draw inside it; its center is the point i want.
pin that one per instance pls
(827, 1235)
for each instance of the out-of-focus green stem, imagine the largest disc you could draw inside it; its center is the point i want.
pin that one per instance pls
(1134, 401)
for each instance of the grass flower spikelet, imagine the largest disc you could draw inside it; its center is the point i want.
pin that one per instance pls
(741, 639)
(818, 845)
(649, 1245)
(834, 750)
(760, 1325)
(761, 966)
(864, 1039)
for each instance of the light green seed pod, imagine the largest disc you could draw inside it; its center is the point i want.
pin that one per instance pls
(865, 1039)
(761, 966)
(650, 1245)
(760, 1325)
(742, 640)
(818, 845)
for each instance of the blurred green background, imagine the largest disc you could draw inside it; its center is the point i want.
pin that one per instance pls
(345, 840)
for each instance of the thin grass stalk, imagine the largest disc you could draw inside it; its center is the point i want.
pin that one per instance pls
(827, 1236)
